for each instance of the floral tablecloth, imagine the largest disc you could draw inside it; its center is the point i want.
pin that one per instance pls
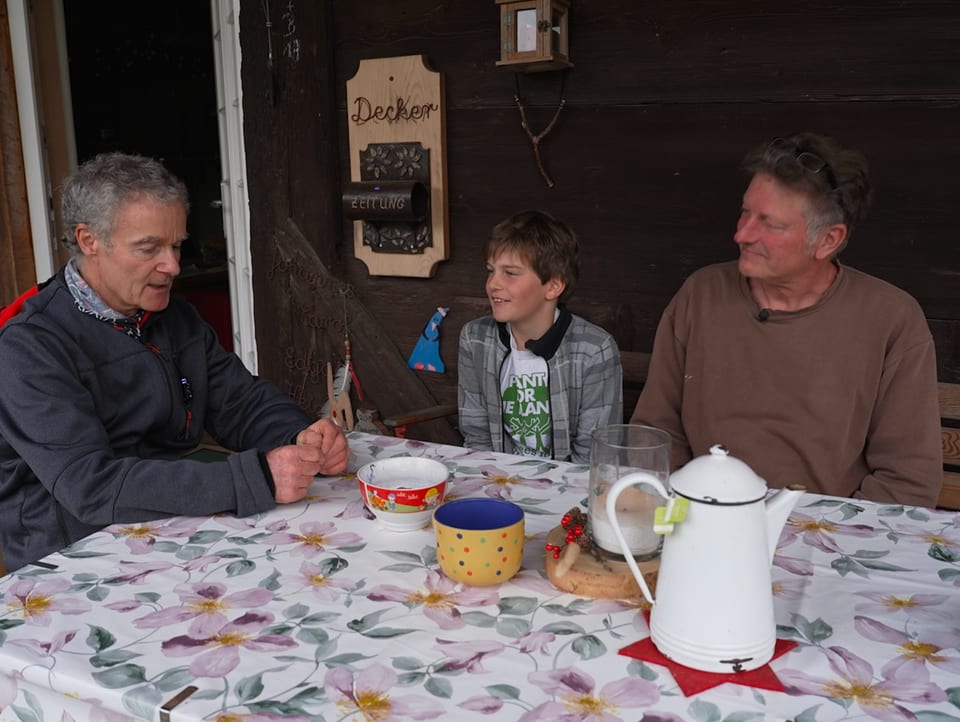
(312, 612)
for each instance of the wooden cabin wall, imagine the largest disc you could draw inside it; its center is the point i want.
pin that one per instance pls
(664, 99)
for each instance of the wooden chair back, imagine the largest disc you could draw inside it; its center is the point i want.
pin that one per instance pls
(950, 438)
(635, 365)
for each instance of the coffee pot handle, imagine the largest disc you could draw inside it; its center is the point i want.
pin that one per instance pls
(639, 477)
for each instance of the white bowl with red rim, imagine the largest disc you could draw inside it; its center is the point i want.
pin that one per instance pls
(403, 491)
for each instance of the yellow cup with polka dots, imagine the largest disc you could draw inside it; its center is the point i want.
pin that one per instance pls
(479, 541)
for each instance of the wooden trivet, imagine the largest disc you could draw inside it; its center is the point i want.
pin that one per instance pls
(587, 577)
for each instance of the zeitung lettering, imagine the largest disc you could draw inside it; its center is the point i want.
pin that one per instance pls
(378, 203)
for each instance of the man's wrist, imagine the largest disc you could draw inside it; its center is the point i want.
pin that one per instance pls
(267, 474)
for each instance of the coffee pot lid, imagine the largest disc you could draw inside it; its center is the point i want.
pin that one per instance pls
(718, 478)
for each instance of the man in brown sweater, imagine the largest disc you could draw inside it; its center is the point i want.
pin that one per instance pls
(811, 372)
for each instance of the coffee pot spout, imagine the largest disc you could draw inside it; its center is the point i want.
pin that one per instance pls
(779, 505)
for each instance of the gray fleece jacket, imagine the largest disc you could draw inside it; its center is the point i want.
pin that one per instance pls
(93, 423)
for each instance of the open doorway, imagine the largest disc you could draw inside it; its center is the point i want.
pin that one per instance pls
(48, 145)
(142, 80)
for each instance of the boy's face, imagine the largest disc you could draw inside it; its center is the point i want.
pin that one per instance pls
(517, 296)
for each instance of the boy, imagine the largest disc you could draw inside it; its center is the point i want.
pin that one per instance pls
(533, 378)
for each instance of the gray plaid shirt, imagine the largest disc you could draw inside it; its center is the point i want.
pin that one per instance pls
(585, 378)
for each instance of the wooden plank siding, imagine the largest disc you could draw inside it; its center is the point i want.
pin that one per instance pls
(662, 103)
(950, 420)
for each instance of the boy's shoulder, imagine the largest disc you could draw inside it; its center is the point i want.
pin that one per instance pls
(586, 342)
(483, 331)
(581, 327)
(478, 326)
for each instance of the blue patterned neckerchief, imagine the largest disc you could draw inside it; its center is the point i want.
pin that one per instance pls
(88, 301)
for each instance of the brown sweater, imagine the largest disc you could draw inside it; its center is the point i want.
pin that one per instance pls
(840, 397)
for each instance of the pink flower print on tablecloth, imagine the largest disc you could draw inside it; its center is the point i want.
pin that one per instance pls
(208, 605)
(220, 652)
(355, 509)
(467, 655)
(34, 602)
(368, 695)
(788, 589)
(795, 565)
(495, 482)
(936, 647)
(141, 538)
(948, 538)
(440, 598)
(855, 682)
(8, 690)
(137, 572)
(925, 607)
(318, 579)
(819, 533)
(576, 697)
(314, 537)
(500, 484)
(536, 642)
(45, 648)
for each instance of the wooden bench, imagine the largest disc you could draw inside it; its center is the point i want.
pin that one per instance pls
(635, 365)
(950, 438)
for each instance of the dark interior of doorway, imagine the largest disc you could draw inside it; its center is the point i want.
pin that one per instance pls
(142, 80)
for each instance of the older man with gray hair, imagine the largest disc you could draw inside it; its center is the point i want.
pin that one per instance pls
(811, 372)
(109, 382)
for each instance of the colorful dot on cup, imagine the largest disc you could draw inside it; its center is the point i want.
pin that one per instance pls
(483, 540)
(504, 560)
(459, 535)
(466, 550)
(499, 549)
(461, 562)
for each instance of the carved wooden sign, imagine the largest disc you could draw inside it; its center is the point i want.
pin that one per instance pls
(396, 120)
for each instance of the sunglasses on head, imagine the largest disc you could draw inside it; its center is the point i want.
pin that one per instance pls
(781, 148)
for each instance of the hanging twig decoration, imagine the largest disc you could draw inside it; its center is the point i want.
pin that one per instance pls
(536, 138)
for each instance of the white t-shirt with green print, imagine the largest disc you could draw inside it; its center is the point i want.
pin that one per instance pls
(525, 402)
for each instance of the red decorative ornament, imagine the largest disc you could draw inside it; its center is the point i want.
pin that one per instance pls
(574, 523)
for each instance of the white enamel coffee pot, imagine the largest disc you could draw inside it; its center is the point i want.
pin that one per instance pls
(714, 605)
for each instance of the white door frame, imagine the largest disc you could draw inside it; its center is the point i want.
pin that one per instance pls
(31, 140)
(233, 184)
